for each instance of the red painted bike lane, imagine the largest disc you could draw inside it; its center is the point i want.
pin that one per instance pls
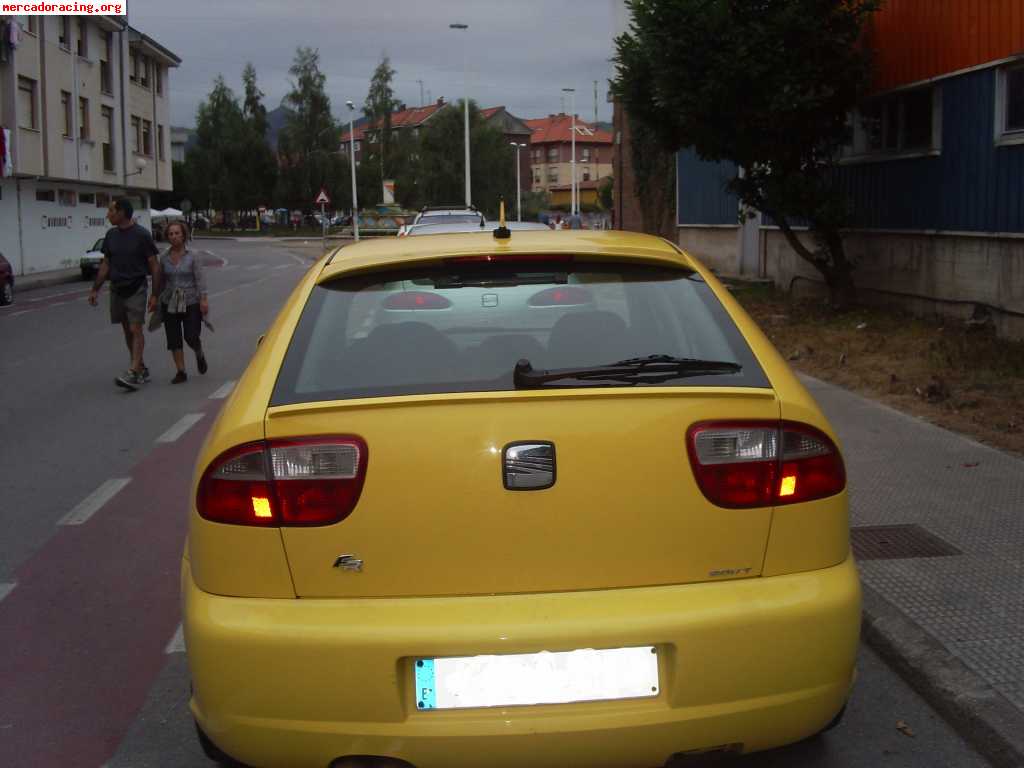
(83, 634)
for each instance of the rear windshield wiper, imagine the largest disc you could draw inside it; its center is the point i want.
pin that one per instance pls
(634, 370)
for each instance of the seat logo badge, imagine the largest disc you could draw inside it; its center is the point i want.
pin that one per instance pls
(349, 563)
(528, 466)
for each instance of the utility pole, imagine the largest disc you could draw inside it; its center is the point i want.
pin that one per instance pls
(421, 91)
(572, 164)
(595, 105)
(465, 75)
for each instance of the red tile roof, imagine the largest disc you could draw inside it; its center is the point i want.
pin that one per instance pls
(406, 118)
(558, 128)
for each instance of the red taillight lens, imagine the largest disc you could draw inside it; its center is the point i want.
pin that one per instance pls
(760, 464)
(416, 300)
(561, 296)
(315, 481)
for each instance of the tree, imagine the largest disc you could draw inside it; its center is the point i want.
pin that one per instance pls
(767, 85)
(309, 142)
(380, 103)
(259, 170)
(213, 163)
(441, 161)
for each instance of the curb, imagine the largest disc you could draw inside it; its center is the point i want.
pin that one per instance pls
(31, 282)
(980, 714)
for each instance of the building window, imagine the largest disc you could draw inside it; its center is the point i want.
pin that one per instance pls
(160, 142)
(83, 118)
(87, 197)
(538, 155)
(1010, 103)
(552, 175)
(552, 154)
(158, 74)
(64, 32)
(536, 177)
(106, 72)
(586, 174)
(27, 103)
(65, 108)
(147, 138)
(107, 114)
(585, 154)
(910, 121)
(66, 197)
(102, 200)
(136, 134)
(32, 26)
(359, 145)
(135, 68)
(83, 38)
(46, 196)
(146, 72)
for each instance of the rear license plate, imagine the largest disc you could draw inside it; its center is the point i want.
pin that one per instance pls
(536, 678)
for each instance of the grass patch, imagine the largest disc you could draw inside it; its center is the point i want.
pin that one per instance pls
(962, 378)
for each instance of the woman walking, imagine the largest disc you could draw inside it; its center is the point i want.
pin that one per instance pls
(182, 299)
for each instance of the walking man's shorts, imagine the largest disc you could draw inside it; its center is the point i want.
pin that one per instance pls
(131, 310)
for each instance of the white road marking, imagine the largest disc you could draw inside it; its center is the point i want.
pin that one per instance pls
(55, 296)
(224, 391)
(177, 643)
(92, 503)
(184, 425)
(6, 588)
(283, 266)
(223, 259)
(299, 260)
(23, 312)
(240, 285)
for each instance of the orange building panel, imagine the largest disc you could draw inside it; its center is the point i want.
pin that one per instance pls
(917, 40)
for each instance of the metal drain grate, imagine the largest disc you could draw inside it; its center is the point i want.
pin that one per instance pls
(891, 542)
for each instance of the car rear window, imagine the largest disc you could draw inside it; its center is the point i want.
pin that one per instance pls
(463, 328)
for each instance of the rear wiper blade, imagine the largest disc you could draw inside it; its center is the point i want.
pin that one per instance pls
(634, 370)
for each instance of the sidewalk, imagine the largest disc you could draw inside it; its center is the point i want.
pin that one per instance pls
(953, 624)
(35, 280)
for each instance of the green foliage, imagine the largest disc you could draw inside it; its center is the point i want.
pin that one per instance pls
(441, 163)
(767, 85)
(604, 193)
(380, 103)
(218, 154)
(308, 143)
(534, 203)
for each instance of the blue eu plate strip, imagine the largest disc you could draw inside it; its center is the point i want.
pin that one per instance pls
(425, 695)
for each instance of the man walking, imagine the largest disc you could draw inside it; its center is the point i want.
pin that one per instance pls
(129, 254)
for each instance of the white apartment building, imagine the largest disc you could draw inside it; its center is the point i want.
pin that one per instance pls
(84, 104)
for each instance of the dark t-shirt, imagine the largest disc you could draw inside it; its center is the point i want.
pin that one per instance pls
(128, 251)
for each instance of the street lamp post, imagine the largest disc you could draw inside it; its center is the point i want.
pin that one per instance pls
(465, 78)
(572, 108)
(352, 165)
(519, 185)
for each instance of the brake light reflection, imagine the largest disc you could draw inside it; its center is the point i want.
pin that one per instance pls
(788, 487)
(261, 507)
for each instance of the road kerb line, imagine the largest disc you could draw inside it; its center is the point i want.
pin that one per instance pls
(176, 643)
(92, 503)
(185, 423)
(6, 588)
(224, 391)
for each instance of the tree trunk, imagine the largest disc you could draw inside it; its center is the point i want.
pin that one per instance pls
(835, 268)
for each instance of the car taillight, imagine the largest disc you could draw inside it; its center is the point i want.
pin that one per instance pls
(762, 464)
(310, 481)
(416, 300)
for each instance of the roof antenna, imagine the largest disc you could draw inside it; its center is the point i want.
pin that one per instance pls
(502, 232)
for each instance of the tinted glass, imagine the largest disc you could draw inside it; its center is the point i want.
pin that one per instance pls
(463, 329)
(918, 112)
(1015, 100)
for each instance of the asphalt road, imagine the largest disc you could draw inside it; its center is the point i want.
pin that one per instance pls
(91, 482)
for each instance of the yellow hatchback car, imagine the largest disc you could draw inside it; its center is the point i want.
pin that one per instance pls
(547, 500)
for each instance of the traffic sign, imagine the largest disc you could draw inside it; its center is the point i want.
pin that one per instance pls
(322, 198)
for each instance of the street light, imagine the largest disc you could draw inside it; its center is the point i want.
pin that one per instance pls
(572, 187)
(465, 78)
(519, 186)
(352, 165)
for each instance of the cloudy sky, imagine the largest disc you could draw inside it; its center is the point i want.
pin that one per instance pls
(521, 53)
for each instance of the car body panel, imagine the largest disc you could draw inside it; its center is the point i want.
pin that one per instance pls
(757, 662)
(624, 509)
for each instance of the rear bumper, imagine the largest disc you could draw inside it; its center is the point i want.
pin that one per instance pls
(756, 662)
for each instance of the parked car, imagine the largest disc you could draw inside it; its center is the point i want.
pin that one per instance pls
(446, 228)
(446, 214)
(90, 262)
(6, 282)
(545, 500)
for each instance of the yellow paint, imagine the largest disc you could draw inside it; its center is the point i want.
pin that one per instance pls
(788, 487)
(261, 507)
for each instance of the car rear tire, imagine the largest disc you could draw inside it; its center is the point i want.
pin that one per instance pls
(214, 753)
(7, 294)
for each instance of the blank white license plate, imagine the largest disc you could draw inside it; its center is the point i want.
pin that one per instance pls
(536, 678)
